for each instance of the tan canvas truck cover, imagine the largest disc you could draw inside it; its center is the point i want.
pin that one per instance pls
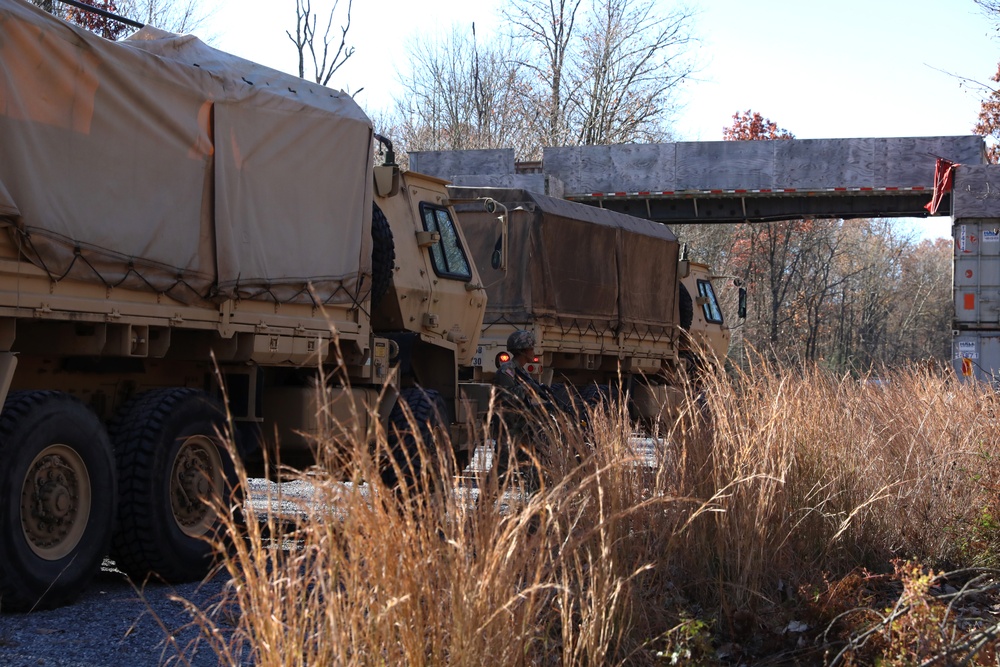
(160, 163)
(573, 266)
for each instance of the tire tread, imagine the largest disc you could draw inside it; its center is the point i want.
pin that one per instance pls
(134, 435)
(15, 594)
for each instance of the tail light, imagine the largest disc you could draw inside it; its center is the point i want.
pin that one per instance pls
(534, 366)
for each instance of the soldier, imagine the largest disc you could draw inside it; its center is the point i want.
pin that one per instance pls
(511, 376)
(519, 393)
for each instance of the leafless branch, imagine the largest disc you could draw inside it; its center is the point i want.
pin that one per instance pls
(325, 62)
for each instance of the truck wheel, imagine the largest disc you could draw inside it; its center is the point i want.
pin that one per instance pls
(601, 395)
(58, 489)
(428, 410)
(383, 255)
(463, 458)
(171, 460)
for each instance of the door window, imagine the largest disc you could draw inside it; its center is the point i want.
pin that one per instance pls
(710, 305)
(447, 255)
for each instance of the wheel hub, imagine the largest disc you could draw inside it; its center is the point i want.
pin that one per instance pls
(55, 502)
(197, 476)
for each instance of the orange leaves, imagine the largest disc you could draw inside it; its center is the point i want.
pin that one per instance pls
(988, 124)
(105, 27)
(751, 126)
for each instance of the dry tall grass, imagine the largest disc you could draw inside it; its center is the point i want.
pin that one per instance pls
(765, 488)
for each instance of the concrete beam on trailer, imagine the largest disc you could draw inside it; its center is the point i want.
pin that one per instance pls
(728, 181)
(977, 192)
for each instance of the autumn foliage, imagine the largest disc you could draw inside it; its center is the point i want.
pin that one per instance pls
(988, 124)
(751, 126)
(105, 27)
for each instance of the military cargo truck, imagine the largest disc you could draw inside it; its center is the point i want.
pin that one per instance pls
(608, 297)
(187, 235)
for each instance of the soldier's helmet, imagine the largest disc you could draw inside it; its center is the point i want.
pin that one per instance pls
(520, 340)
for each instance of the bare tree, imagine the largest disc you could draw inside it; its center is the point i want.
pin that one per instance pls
(989, 7)
(325, 60)
(866, 312)
(922, 328)
(552, 83)
(773, 269)
(607, 73)
(179, 16)
(547, 27)
(632, 59)
(461, 94)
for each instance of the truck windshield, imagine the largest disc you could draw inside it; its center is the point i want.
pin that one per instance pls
(709, 304)
(447, 256)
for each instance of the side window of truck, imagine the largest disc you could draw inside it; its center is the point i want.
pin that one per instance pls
(709, 304)
(447, 256)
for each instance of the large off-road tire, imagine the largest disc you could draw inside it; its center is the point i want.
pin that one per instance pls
(57, 499)
(383, 255)
(463, 458)
(573, 400)
(171, 463)
(428, 409)
(599, 396)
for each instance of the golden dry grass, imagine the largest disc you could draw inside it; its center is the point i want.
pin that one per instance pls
(767, 490)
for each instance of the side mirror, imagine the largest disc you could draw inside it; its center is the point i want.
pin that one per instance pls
(387, 174)
(496, 261)
(741, 308)
(683, 269)
(386, 180)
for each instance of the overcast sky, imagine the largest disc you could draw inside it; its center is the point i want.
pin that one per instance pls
(852, 68)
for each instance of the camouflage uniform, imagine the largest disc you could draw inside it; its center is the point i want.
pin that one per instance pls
(519, 394)
(516, 384)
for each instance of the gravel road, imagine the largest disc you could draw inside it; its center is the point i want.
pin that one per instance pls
(111, 625)
(114, 625)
